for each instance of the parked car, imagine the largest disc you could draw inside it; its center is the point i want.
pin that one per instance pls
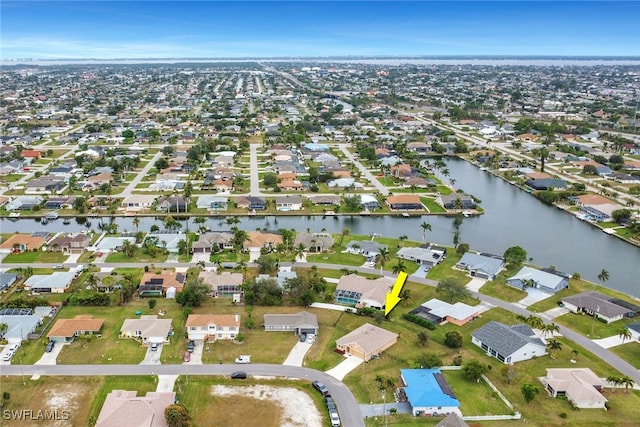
(239, 375)
(191, 346)
(303, 337)
(187, 356)
(320, 387)
(50, 346)
(14, 348)
(335, 419)
(7, 357)
(58, 267)
(331, 405)
(154, 347)
(311, 338)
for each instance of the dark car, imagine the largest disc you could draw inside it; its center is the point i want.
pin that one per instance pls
(191, 346)
(303, 337)
(49, 348)
(331, 405)
(239, 375)
(320, 387)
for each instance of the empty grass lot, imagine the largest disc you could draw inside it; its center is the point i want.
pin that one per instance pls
(35, 257)
(629, 351)
(467, 393)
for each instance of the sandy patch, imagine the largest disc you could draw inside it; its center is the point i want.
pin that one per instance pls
(298, 408)
(63, 398)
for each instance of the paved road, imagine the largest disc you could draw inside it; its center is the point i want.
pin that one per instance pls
(349, 409)
(140, 175)
(364, 171)
(254, 177)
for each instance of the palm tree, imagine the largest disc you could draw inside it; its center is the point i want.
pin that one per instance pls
(345, 232)
(625, 334)
(614, 380)
(402, 239)
(425, 227)
(383, 257)
(136, 222)
(603, 276)
(4, 327)
(553, 346)
(535, 322)
(628, 383)
(405, 296)
(399, 267)
(299, 251)
(550, 328)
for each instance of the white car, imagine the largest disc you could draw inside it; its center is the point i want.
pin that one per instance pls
(7, 357)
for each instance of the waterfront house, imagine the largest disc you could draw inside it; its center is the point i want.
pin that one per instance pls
(252, 203)
(212, 203)
(486, 266)
(70, 243)
(21, 242)
(367, 248)
(546, 281)
(313, 242)
(604, 307)
(508, 344)
(424, 256)
(213, 242)
(457, 201)
(288, 203)
(138, 201)
(259, 240)
(405, 202)
(366, 342)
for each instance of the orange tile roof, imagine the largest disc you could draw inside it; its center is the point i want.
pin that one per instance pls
(216, 319)
(594, 199)
(24, 239)
(403, 198)
(69, 327)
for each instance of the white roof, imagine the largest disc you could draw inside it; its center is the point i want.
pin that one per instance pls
(458, 311)
(110, 243)
(58, 280)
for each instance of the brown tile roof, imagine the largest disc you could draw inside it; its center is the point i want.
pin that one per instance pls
(23, 239)
(213, 319)
(538, 175)
(403, 198)
(260, 239)
(594, 199)
(68, 327)
(169, 279)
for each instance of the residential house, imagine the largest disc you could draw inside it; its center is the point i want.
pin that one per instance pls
(61, 202)
(70, 243)
(405, 202)
(213, 327)
(419, 147)
(439, 312)
(172, 204)
(508, 344)
(157, 284)
(138, 202)
(362, 292)
(225, 284)
(30, 154)
(428, 392)
(251, 203)
(366, 342)
(56, 283)
(113, 244)
(259, 240)
(546, 183)
(122, 408)
(168, 241)
(45, 184)
(66, 330)
(325, 200)
(580, 386)
(367, 248)
(486, 266)
(289, 184)
(369, 202)
(401, 170)
(457, 201)
(606, 308)
(544, 280)
(21, 243)
(148, 329)
(288, 203)
(23, 203)
(313, 242)
(424, 256)
(595, 207)
(300, 323)
(634, 328)
(20, 323)
(213, 242)
(6, 280)
(212, 203)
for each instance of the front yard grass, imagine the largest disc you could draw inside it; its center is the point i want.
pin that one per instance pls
(432, 205)
(467, 393)
(35, 257)
(338, 258)
(629, 351)
(117, 257)
(591, 327)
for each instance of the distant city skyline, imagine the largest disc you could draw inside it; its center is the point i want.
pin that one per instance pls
(242, 29)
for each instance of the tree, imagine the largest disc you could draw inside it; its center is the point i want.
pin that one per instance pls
(423, 338)
(462, 248)
(452, 289)
(474, 370)
(136, 222)
(345, 232)
(453, 339)
(128, 249)
(177, 415)
(549, 328)
(625, 334)
(554, 346)
(152, 303)
(383, 257)
(515, 255)
(509, 373)
(425, 227)
(628, 383)
(603, 276)
(529, 391)
(193, 293)
(400, 266)
(428, 361)
(4, 327)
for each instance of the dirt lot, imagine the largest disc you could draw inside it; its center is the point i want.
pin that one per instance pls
(277, 406)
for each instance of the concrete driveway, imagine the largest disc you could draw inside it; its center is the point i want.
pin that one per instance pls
(196, 356)
(296, 355)
(533, 296)
(347, 365)
(475, 284)
(610, 341)
(554, 312)
(166, 382)
(421, 272)
(50, 358)
(152, 357)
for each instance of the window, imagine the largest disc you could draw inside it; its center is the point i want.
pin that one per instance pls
(219, 335)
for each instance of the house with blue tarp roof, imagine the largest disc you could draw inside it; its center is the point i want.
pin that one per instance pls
(428, 392)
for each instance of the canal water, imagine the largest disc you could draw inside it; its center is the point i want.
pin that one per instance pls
(512, 217)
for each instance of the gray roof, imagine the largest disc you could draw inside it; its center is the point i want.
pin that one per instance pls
(57, 280)
(634, 327)
(366, 245)
(302, 318)
(596, 302)
(471, 261)
(20, 326)
(504, 339)
(7, 279)
(541, 278)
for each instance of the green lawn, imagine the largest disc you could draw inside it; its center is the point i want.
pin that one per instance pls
(629, 351)
(338, 258)
(140, 256)
(498, 288)
(467, 393)
(432, 205)
(591, 327)
(35, 257)
(445, 268)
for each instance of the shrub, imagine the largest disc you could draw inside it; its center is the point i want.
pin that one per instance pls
(453, 339)
(420, 321)
(563, 415)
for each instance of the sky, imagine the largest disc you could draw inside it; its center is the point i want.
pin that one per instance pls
(240, 29)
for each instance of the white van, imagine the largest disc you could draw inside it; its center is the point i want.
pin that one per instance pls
(244, 359)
